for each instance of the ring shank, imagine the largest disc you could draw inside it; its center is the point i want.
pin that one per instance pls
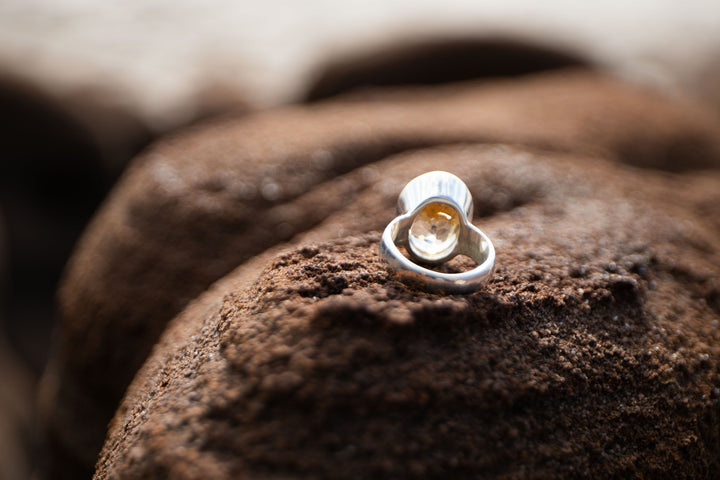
(473, 243)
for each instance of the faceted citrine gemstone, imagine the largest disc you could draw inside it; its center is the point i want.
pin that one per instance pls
(434, 231)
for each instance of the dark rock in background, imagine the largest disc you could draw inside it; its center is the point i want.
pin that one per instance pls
(16, 393)
(433, 62)
(58, 159)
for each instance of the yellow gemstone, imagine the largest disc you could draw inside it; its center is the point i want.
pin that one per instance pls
(434, 231)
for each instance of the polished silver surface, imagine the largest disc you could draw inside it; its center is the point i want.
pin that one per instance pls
(438, 198)
(435, 184)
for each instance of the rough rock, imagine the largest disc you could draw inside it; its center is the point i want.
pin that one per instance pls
(200, 203)
(594, 351)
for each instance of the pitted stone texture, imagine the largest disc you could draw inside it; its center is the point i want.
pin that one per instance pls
(204, 201)
(593, 352)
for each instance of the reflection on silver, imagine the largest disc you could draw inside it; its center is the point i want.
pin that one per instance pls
(433, 224)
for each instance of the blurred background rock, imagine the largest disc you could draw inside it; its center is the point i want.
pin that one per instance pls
(158, 57)
(86, 85)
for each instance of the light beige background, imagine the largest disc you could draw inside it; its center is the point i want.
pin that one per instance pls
(156, 54)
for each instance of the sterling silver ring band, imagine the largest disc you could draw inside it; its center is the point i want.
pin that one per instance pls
(433, 224)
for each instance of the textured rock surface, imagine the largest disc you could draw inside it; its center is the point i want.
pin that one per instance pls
(199, 204)
(594, 351)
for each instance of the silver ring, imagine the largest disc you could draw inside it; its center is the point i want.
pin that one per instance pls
(433, 224)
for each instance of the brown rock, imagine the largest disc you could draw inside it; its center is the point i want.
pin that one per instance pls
(593, 352)
(435, 61)
(199, 204)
